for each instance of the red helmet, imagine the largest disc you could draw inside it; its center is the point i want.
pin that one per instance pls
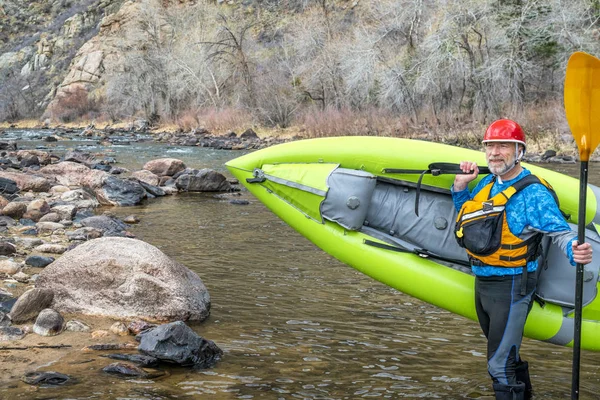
(504, 130)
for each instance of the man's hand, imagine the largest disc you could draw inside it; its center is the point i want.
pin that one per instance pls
(461, 181)
(582, 253)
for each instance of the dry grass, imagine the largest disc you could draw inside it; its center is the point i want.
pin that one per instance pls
(545, 125)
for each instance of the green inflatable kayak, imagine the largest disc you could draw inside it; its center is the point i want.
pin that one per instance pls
(383, 206)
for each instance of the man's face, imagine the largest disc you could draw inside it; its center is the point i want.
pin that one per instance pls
(501, 156)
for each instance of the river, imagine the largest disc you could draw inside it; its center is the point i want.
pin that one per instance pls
(293, 322)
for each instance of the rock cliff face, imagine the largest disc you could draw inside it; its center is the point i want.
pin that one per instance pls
(99, 57)
(38, 43)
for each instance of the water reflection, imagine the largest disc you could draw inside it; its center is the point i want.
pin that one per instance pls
(295, 323)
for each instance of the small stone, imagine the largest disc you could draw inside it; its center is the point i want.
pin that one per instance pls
(21, 277)
(131, 219)
(100, 334)
(136, 327)
(119, 328)
(48, 323)
(8, 333)
(51, 248)
(7, 249)
(9, 266)
(76, 326)
(39, 261)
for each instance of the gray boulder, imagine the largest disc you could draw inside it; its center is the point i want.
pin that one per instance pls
(125, 278)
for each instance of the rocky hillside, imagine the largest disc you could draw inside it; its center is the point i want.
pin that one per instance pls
(37, 46)
(369, 67)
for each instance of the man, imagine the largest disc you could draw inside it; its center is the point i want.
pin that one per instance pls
(500, 224)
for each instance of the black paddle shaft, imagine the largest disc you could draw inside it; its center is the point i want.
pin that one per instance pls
(579, 282)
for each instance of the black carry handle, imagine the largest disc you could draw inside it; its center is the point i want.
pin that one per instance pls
(435, 169)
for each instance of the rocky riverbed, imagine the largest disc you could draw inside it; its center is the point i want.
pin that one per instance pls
(75, 278)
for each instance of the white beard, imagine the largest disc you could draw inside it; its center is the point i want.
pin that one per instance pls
(501, 169)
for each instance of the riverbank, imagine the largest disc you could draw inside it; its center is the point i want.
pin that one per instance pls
(543, 146)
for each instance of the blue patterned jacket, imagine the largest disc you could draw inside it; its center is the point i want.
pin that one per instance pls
(530, 210)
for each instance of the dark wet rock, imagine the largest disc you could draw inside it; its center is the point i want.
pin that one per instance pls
(10, 333)
(178, 343)
(138, 359)
(30, 303)
(239, 202)
(136, 327)
(117, 170)
(206, 180)
(30, 232)
(125, 278)
(120, 192)
(80, 157)
(48, 323)
(102, 167)
(125, 369)
(7, 221)
(5, 296)
(7, 249)
(110, 346)
(153, 190)
(85, 233)
(29, 161)
(8, 186)
(38, 261)
(4, 319)
(249, 134)
(45, 378)
(27, 222)
(80, 215)
(8, 146)
(110, 226)
(548, 154)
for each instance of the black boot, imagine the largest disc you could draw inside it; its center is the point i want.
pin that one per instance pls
(509, 392)
(522, 373)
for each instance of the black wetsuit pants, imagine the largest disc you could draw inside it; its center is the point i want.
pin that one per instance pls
(502, 311)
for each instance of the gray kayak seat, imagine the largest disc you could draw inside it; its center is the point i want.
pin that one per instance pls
(357, 200)
(557, 276)
(392, 211)
(348, 197)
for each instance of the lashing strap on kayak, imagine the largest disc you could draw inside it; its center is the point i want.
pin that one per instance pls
(424, 253)
(435, 169)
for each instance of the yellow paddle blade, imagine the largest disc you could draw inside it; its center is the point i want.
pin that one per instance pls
(582, 102)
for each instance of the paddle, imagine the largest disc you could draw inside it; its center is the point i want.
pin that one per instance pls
(582, 107)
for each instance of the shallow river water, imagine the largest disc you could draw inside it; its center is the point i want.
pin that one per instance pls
(293, 322)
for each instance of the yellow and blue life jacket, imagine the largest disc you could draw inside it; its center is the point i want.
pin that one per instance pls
(481, 228)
